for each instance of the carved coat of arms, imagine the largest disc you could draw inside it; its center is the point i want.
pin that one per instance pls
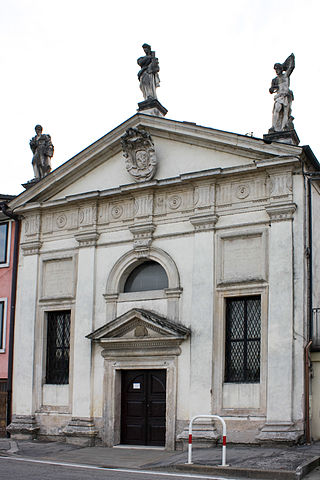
(138, 150)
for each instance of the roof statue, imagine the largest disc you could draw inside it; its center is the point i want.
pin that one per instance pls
(282, 129)
(42, 150)
(281, 115)
(149, 79)
(149, 74)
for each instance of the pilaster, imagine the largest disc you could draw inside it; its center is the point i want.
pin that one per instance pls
(23, 424)
(201, 375)
(80, 429)
(279, 425)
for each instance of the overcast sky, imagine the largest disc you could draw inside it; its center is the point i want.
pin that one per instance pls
(70, 65)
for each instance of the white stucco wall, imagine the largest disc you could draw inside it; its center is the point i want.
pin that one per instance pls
(236, 234)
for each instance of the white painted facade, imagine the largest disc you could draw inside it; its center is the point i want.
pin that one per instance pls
(225, 216)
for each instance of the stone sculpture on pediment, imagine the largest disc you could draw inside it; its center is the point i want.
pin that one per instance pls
(42, 150)
(138, 150)
(281, 115)
(149, 81)
(149, 73)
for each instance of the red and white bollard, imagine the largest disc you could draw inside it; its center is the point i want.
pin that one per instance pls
(224, 438)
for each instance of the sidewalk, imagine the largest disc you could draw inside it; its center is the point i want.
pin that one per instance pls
(253, 462)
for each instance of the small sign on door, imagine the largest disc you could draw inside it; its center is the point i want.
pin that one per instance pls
(136, 386)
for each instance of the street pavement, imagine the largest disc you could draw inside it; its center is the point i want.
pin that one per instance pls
(244, 461)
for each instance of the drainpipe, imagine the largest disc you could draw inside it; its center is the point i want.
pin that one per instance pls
(310, 177)
(9, 214)
(307, 390)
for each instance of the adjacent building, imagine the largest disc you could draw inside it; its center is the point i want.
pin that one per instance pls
(163, 273)
(7, 236)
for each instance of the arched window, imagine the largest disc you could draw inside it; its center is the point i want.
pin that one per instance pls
(147, 276)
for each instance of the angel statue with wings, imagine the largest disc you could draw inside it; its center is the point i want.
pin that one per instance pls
(281, 115)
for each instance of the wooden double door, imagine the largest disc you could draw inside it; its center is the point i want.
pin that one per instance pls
(143, 407)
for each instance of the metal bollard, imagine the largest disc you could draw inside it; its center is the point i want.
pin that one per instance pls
(224, 438)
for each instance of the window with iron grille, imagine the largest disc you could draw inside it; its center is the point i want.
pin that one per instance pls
(243, 332)
(58, 347)
(4, 230)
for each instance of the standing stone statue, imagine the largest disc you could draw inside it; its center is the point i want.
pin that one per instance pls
(42, 150)
(149, 73)
(281, 115)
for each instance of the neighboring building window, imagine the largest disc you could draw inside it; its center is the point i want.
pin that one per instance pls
(147, 276)
(243, 332)
(2, 325)
(4, 229)
(58, 347)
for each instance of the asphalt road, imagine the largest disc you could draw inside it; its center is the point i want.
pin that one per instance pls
(25, 469)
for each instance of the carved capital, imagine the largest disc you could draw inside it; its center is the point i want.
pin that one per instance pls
(173, 292)
(204, 222)
(31, 248)
(142, 235)
(281, 212)
(87, 239)
(111, 297)
(138, 150)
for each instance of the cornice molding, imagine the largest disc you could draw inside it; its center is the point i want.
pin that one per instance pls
(94, 155)
(213, 175)
(87, 239)
(155, 348)
(204, 222)
(281, 212)
(31, 248)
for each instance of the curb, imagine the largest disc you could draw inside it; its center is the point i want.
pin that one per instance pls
(307, 467)
(255, 473)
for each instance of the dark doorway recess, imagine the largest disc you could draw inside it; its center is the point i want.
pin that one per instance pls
(143, 407)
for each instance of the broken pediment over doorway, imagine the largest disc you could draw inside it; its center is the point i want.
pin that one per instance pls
(140, 332)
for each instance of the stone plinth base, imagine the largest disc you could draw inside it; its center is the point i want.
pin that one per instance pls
(203, 435)
(81, 431)
(288, 136)
(23, 427)
(152, 107)
(280, 433)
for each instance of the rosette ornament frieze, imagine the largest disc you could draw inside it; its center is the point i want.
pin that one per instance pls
(138, 150)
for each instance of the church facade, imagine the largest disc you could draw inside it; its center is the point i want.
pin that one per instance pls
(163, 274)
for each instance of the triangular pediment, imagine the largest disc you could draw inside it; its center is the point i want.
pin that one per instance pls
(138, 324)
(182, 149)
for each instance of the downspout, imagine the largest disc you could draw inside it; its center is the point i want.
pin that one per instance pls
(9, 214)
(310, 252)
(310, 176)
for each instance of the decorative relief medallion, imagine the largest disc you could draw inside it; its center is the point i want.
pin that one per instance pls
(61, 220)
(140, 331)
(242, 191)
(116, 211)
(138, 150)
(174, 202)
